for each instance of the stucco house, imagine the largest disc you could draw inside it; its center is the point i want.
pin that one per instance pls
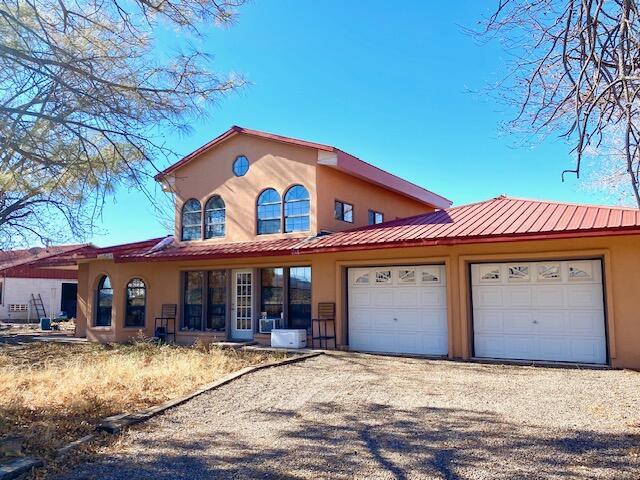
(266, 223)
(21, 282)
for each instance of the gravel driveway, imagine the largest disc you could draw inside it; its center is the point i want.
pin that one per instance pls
(361, 416)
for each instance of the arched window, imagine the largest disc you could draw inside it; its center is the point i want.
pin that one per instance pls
(296, 209)
(191, 220)
(104, 302)
(214, 217)
(136, 300)
(269, 212)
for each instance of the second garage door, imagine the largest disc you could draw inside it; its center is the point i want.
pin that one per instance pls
(539, 311)
(398, 309)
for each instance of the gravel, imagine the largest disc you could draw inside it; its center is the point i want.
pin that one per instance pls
(364, 416)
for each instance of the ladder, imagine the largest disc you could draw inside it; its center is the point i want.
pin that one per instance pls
(39, 306)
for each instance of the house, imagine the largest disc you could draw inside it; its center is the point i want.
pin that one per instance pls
(22, 284)
(267, 227)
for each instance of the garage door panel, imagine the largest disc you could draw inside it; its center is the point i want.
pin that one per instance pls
(488, 321)
(487, 345)
(434, 321)
(587, 348)
(407, 297)
(382, 319)
(517, 322)
(587, 322)
(488, 296)
(564, 320)
(518, 296)
(582, 296)
(549, 322)
(382, 298)
(361, 319)
(545, 296)
(404, 314)
(360, 298)
(433, 296)
(407, 320)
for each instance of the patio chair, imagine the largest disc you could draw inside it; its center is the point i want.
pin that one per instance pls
(165, 324)
(324, 325)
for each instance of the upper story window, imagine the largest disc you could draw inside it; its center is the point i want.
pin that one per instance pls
(104, 302)
(344, 211)
(296, 209)
(240, 166)
(214, 217)
(191, 220)
(269, 212)
(375, 217)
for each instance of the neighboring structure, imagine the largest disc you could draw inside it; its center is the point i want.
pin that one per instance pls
(266, 223)
(21, 283)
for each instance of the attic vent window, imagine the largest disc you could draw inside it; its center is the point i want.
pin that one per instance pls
(240, 166)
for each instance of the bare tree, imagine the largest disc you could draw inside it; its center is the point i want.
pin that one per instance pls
(85, 98)
(576, 71)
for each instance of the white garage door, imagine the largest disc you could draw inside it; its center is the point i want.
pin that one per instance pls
(539, 311)
(398, 309)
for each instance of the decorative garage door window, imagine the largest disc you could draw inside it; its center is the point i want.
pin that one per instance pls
(549, 272)
(580, 271)
(383, 276)
(362, 279)
(431, 275)
(407, 276)
(18, 307)
(518, 273)
(489, 273)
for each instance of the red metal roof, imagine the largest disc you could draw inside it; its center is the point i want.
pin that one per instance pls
(15, 262)
(499, 219)
(25, 271)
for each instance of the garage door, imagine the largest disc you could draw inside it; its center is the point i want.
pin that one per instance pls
(539, 311)
(398, 309)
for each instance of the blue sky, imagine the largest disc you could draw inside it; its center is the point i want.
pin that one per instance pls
(391, 84)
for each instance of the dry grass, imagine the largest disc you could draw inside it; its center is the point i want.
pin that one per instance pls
(51, 394)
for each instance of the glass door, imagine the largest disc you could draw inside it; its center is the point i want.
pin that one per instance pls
(242, 306)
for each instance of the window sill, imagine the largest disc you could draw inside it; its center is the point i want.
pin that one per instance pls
(199, 332)
(101, 328)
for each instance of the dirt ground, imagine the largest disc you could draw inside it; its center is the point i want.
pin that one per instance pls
(364, 416)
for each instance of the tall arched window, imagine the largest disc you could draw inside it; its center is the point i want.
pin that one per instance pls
(191, 220)
(104, 302)
(136, 301)
(296, 209)
(214, 217)
(269, 212)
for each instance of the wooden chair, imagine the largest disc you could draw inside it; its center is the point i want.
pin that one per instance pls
(166, 320)
(326, 322)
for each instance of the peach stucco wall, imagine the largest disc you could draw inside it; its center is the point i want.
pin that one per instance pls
(279, 165)
(620, 254)
(271, 165)
(335, 185)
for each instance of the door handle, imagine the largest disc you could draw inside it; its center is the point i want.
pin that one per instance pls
(395, 319)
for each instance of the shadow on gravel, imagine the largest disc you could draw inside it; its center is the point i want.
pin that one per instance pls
(372, 440)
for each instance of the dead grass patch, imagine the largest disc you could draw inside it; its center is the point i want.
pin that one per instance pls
(53, 393)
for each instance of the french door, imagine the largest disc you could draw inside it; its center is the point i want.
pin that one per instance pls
(242, 305)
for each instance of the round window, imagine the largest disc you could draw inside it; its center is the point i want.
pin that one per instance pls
(240, 166)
